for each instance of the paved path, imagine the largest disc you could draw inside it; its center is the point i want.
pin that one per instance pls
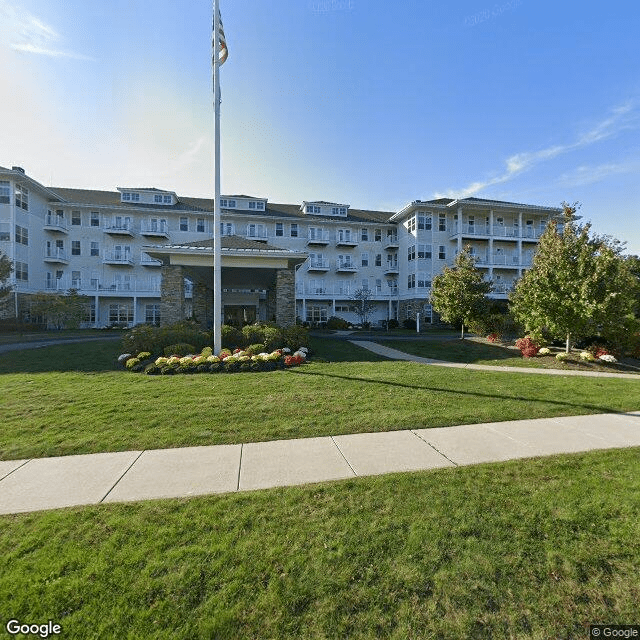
(394, 354)
(47, 342)
(52, 483)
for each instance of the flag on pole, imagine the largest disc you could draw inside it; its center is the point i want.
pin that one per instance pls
(223, 52)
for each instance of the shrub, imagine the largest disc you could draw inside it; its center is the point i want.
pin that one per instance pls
(231, 337)
(492, 337)
(153, 339)
(392, 324)
(252, 334)
(527, 347)
(179, 349)
(295, 337)
(563, 355)
(337, 324)
(272, 337)
(409, 323)
(588, 356)
(254, 349)
(545, 351)
(144, 337)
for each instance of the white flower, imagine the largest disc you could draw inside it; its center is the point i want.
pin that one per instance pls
(607, 358)
(123, 357)
(302, 354)
(545, 351)
(303, 349)
(286, 350)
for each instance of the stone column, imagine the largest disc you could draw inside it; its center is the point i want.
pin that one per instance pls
(203, 304)
(172, 305)
(285, 298)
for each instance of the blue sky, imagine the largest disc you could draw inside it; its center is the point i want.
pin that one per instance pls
(355, 101)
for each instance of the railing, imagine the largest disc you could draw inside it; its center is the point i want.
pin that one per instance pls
(341, 290)
(117, 257)
(148, 261)
(255, 234)
(528, 232)
(315, 237)
(125, 228)
(318, 265)
(57, 222)
(390, 242)
(151, 229)
(346, 266)
(350, 239)
(56, 254)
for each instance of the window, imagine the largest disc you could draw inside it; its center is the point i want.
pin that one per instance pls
(252, 204)
(157, 198)
(22, 271)
(411, 224)
(442, 222)
(256, 231)
(95, 249)
(95, 219)
(200, 225)
(166, 199)
(424, 252)
(365, 235)
(377, 234)
(227, 204)
(75, 280)
(152, 314)
(5, 192)
(75, 218)
(5, 236)
(338, 211)
(342, 308)
(411, 252)
(279, 229)
(423, 283)
(421, 222)
(364, 258)
(411, 281)
(312, 208)
(121, 313)
(22, 197)
(316, 313)
(91, 312)
(293, 232)
(129, 196)
(442, 252)
(184, 224)
(22, 235)
(226, 228)
(378, 259)
(75, 247)
(365, 284)
(255, 204)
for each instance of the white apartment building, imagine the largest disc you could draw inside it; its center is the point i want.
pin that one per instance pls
(144, 254)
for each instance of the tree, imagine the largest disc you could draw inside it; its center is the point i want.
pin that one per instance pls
(59, 310)
(577, 286)
(6, 268)
(459, 293)
(363, 305)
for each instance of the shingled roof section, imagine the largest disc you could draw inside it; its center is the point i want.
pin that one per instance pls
(233, 242)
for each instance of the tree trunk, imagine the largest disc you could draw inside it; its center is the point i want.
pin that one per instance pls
(567, 345)
(462, 335)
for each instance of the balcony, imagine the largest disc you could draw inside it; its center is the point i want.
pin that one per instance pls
(318, 265)
(318, 238)
(118, 258)
(346, 267)
(55, 223)
(56, 256)
(391, 243)
(391, 269)
(118, 228)
(256, 232)
(154, 230)
(346, 239)
(529, 233)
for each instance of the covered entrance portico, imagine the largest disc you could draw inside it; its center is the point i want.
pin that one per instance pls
(258, 281)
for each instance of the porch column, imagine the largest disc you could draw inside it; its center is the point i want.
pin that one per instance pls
(172, 306)
(203, 304)
(285, 298)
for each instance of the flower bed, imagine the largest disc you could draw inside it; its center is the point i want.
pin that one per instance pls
(206, 362)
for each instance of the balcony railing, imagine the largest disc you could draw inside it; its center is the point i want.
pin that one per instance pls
(318, 265)
(156, 230)
(148, 261)
(391, 268)
(318, 238)
(55, 223)
(343, 291)
(119, 228)
(346, 239)
(117, 257)
(56, 255)
(255, 234)
(391, 242)
(346, 266)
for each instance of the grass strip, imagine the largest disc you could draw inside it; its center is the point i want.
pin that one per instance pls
(530, 549)
(92, 409)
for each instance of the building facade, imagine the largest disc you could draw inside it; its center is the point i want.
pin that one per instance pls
(131, 249)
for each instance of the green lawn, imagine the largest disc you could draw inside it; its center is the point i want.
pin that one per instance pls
(529, 550)
(65, 399)
(470, 351)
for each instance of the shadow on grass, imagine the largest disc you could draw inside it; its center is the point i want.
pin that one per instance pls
(478, 394)
(453, 350)
(90, 357)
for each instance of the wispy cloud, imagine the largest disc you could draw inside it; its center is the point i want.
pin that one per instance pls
(29, 34)
(589, 174)
(623, 117)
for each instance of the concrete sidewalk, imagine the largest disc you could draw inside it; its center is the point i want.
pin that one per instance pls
(394, 354)
(52, 483)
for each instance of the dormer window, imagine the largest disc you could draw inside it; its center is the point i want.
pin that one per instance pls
(227, 204)
(256, 204)
(339, 211)
(130, 196)
(312, 208)
(157, 199)
(166, 199)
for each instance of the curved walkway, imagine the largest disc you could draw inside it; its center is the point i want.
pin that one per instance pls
(394, 354)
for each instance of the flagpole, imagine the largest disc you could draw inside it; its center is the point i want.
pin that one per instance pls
(217, 279)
